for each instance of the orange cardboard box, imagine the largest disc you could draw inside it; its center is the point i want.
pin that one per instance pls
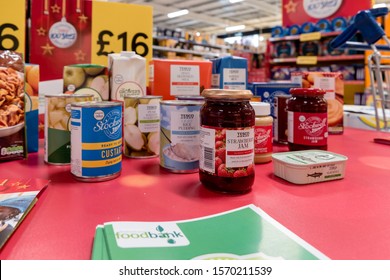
(170, 78)
(333, 84)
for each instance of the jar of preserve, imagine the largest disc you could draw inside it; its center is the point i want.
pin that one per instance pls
(226, 162)
(307, 119)
(263, 132)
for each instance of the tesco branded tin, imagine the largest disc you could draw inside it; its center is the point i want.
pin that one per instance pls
(57, 128)
(179, 137)
(96, 138)
(141, 130)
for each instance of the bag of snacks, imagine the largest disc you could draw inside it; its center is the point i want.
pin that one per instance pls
(12, 119)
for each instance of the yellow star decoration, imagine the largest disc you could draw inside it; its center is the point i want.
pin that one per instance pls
(16, 184)
(47, 49)
(55, 8)
(83, 18)
(291, 7)
(80, 55)
(23, 187)
(41, 31)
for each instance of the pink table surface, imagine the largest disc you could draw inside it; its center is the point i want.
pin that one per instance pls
(345, 219)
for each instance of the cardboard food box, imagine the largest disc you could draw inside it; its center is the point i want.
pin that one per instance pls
(12, 109)
(230, 72)
(267, 91)
(333, 84)
(170, 78)
(33, 122)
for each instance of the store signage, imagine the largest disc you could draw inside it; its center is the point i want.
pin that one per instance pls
(13, 26)
(132, 30)
(307, 60)
(301, 11)
(321, 9)
(313, 36)
(68, 32)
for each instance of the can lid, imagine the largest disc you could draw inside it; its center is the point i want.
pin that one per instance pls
(261, 108)
(307, 91)
(227, 94)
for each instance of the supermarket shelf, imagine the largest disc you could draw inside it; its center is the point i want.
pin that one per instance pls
(204, 54)
(297, 37)
(320, 58)
(191, 42)
(353, 82)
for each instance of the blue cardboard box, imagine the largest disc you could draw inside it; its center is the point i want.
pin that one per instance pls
(267, 91)
(229, 72)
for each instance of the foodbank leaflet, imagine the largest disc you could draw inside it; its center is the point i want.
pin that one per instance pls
(243, 233)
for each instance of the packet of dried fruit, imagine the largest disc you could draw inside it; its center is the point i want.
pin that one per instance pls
(12, 113)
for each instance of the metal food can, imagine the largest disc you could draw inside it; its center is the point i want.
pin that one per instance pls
(57, 126)
(96, 138)
(141, 130)
(179, 137)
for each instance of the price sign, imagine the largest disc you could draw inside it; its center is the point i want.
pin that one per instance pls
(313, 36)
(307, 60)
(121, 27)
(13, 26)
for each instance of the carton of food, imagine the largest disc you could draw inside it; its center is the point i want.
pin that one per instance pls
(333, 84)
(169, 78)
(33, 122)
(309, 166)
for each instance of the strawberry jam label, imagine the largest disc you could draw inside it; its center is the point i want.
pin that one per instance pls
(309, 129)
(227, 152)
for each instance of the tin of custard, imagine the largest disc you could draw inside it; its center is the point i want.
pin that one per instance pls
(309, 166)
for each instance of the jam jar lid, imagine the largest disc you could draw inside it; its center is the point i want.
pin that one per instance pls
(227, 94)
(307, 91)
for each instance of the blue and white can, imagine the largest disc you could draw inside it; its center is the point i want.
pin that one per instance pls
(96, 140)
(179, 137)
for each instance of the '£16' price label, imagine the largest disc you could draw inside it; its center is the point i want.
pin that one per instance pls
(132, 30)
(137, 44)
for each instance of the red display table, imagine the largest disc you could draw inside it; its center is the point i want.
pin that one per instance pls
(345, 219)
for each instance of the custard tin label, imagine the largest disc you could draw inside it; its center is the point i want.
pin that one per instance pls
(96, 140)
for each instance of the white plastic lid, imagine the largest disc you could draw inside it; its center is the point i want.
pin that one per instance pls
(261, 108)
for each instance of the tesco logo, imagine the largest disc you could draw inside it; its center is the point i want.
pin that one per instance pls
(321, 8)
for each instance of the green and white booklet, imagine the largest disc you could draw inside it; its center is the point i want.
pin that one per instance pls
(245, 233)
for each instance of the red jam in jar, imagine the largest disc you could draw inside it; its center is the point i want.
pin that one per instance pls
(227, 121)
(307, 119)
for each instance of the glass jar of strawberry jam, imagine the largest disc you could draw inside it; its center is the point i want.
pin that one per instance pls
(226, 162)
(307, 119)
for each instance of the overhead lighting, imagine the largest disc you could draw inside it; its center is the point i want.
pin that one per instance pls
(381, 5)
(235, 28)
(178, 13)
(235, 1)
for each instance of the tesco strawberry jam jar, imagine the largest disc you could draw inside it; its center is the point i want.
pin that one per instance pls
(226, 162)
(307, 119)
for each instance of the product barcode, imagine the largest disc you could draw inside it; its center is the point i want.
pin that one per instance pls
(208, 156)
